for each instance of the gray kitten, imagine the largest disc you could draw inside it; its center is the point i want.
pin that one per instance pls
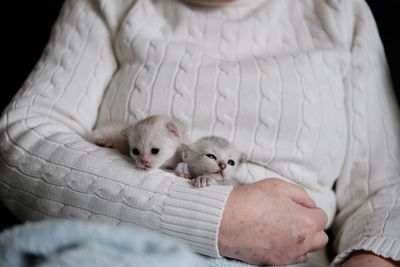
(212, 160)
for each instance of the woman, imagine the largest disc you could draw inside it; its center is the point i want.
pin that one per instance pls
(300, 86)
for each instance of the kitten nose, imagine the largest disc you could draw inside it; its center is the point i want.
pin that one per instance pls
(144, 161)
(222, 165)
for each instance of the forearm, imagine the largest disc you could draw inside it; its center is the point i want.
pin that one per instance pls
(94, 188)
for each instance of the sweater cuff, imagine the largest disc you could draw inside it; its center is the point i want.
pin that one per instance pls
(194, 215)
(385, 243)
(386, 247)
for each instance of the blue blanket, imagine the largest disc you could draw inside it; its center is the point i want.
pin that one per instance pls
(67, 243)
(79, 243)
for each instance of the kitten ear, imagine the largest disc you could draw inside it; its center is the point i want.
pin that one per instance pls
(242, 158)
(176, 127)
(124, 132)
(150, 120)
(173, 129)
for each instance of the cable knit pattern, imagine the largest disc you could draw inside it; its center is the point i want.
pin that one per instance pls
(301, 86)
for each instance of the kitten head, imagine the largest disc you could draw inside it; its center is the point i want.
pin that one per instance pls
(152, 141)
(212, 155)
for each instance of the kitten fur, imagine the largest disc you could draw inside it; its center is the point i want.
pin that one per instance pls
(155, 132)
(155, 141)
(212, 160)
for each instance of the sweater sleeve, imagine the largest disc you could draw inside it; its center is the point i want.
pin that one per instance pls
(47, 170)
(369, 188)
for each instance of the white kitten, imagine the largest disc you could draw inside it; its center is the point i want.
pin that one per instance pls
(212, 160)
(154, 142)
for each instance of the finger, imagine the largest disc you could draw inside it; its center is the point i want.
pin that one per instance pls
(320, 218)
(299, 195)
(302, 259)
(320, 241)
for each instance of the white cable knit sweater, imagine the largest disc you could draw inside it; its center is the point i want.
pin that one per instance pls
(299, 85)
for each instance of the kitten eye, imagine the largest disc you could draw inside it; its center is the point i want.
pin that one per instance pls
(135, 151)
(211, 156)
(231, 162)
(155, 151)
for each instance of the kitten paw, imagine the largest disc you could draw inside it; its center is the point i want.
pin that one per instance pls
(183, 175)
(203, 181)
(104, 143)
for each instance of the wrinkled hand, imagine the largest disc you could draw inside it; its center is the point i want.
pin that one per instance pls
(271, 222)
(368, 259)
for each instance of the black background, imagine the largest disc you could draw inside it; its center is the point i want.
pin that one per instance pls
(27, 26)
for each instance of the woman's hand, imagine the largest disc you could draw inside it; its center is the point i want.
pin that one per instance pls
(368, 259)
(271, 222)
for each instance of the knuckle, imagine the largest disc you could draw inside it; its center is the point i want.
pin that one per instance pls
(325, 238)
(302, 190)
(325, 217)
(308, 224)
